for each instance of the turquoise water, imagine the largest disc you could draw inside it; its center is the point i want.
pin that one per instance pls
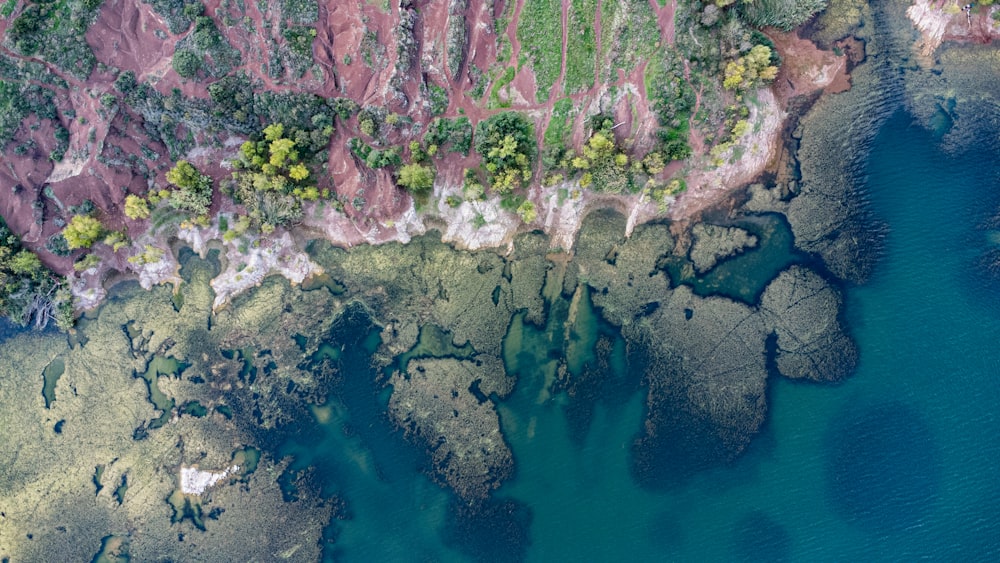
(898, 462)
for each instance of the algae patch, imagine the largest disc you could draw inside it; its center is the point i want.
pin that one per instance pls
(50, 376)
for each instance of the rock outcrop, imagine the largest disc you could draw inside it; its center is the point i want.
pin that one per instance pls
(434, 403)
(802, 310)
(713, 244)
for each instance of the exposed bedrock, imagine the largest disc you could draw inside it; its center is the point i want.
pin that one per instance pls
(713, 244)
(957, 99)
(802, 310)
(705, 359)
(62, 487)
(622, 272)
(705, 366)
(434, 402)
(829, 214)
(471, 294)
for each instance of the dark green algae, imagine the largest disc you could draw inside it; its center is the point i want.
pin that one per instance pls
(255, 372)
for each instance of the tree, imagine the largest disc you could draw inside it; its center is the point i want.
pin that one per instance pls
(136, 207)
(194, 191)
(750, 70)
(506, 141)
(272, 180)
(526, 211)
(416, 178)
(82, 231)
(186, 63)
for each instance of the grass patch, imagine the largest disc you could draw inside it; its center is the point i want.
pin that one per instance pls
(500, 83)
(557, 133)
(539, 30)
(581, 46)
(8, 8)
(629, 34)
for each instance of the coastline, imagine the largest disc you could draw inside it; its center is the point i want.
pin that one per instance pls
(561, 208)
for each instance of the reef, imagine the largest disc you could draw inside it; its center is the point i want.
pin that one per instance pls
(433, 400)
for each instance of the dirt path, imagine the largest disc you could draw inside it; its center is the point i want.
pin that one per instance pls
(665, 19)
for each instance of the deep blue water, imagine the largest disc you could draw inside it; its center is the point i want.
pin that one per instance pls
(898, 462)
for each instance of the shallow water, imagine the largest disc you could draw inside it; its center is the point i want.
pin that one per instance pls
(896, 462)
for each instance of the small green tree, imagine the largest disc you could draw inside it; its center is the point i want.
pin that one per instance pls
(506, 141)
(186, 63)
(82, 231)
(416, 178)
(136, 207)
(194, 191)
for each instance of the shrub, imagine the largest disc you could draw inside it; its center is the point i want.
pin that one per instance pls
(416, 178)
(82, 231)
(136, 207)
(186, 63)
(506, 142)
(194, 189)
(784, 14)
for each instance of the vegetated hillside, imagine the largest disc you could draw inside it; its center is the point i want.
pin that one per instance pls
(376, 100)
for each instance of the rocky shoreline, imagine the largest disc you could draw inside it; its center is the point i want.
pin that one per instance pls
(561, 209)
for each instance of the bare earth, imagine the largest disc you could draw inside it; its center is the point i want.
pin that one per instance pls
(130, 36)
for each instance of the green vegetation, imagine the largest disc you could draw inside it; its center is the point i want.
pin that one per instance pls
(177, 13)
(629, 34)
(506, 142)
(206, 42)
(499, 84)
(82, 231)
(603, 164)
(438, 98)
(18, 101)
(54, 30)
(300, 11)
(186, 63)
(299, 40)
(272, 179)
(750, 70)
(8, 8)
(372, 157)
(581, 46)
(784, 14)
(233, 102)
(29, 292)
(456, 37)
(86, 262)
(539, 30)
(557, 134)
(194, 189)
(416, 178)
(456, 134)
(136, 207)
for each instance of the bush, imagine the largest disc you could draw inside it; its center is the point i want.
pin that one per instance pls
(784, 14)
(272, 180)
(506, 142)
(29, 291)
(194, 189)
(136, 207)
(416, 178)
(438, 98)
(82, 231)
(186, 63)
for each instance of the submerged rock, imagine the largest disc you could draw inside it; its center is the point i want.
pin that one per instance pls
(705, 366)
(803, 311)
(433, 401)
(713, 244)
